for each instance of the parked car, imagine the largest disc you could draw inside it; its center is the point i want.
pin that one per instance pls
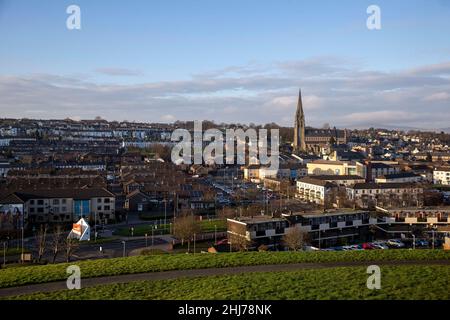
(421, 243)
(380, 245)
(395, 243)
(368, 246)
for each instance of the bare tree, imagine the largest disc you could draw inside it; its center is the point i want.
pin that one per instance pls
(71, 244)
(41, 241)
(295, 238)
(56, 242)
(239, 243)
(184, 228)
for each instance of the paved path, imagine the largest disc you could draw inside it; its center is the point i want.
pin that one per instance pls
(89, 282)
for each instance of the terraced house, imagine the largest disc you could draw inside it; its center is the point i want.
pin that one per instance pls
(67, 205)
(387, 195)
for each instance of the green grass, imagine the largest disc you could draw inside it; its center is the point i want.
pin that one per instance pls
(153, 263)
(141, 230)
(397, 283)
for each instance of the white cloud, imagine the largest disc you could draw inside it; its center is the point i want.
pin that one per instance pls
(438, 96)
(112, 71)
(334, 91)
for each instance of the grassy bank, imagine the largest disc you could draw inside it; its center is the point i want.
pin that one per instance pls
(400, 282)
(154, 263)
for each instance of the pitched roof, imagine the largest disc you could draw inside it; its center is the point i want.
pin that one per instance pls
(317, 182)
(338, 177)
(394, 185)
(77, 194)
(11, 199)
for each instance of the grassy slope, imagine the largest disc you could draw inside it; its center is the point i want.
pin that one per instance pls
(400, 282)
(95, 268)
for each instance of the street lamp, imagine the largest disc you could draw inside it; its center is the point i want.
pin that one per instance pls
(95, 225)
(22, 243)
(146, 241)
(215, 234)
(124, 248)
(432, 232)
(194, 243)
(165, 211)
(414, 241)
(153, 237)
(4, 254)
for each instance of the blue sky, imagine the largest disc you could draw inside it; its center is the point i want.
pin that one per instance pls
(227, 60)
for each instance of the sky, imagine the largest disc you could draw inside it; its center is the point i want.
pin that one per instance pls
(229, 61)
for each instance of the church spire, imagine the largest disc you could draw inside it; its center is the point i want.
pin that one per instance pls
(299, 126)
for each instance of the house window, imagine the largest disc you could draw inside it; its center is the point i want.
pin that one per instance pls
(56, 201)
(107, 200)
(99, 200)
(40, 210)
(63, 201)
(40, 202)
(107, 208)
(31, 201)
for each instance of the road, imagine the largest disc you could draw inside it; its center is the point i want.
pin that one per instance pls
(90, 282)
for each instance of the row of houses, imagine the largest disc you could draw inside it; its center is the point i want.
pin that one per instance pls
(342, 190)
(334, 227)
(57, 206)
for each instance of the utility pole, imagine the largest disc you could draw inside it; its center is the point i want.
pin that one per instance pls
(124, 248)
(153, 242)
(165, 212)
(194, 243)
(23, 246)
(4, 254)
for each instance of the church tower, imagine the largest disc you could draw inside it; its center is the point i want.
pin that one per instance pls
(299, 126)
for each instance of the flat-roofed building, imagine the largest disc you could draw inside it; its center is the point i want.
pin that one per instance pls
(327, 167)
(441, 175)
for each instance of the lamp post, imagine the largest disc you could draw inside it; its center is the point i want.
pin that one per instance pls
(23, 247)
(432, 231)
(215, 234)
(4, 254)
(432, 235)
(165, 211)
(194, 243)
(146, 240)
(95, 225)
(414, 241)
(124, 248)
(153, 242)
